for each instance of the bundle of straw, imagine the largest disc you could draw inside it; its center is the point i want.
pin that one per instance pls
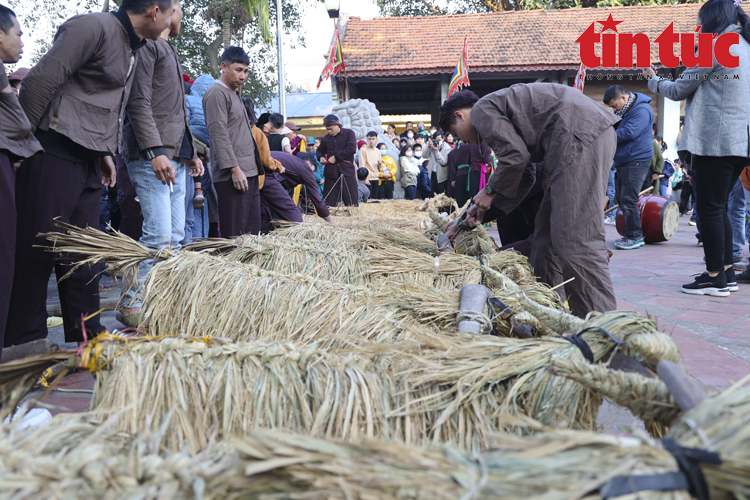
(79, 457)
(204, 295)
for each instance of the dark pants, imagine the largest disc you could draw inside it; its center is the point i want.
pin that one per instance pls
(410, 192)
(387, 190)
(685, 193)
(714, 179)
(376, 191)
(340, 183)
(628, 182)
(49, 187)
(276, 204)
(239, 212)
(7, 237)
(437, 187)
(131, 218)
(569, 237)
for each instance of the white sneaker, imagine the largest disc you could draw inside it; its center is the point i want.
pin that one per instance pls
(32, 418)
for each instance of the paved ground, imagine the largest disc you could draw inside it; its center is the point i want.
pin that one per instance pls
(713, 333)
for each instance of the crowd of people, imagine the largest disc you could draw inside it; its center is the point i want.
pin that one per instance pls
(179, 159)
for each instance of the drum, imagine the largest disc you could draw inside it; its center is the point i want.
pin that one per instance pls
(659, 218)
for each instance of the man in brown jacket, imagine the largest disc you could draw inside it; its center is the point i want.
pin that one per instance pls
(160, 151)
(235, 163)
(575, 137)
(74, 98)
(16, 142)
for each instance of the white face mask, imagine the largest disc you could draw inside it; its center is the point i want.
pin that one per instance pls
(418, 155)
(408, 153)
(410, 135)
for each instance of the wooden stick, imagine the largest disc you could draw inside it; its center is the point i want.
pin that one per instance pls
(685, 391)
(639, 195)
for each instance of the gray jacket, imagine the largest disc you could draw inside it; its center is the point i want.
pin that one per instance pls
(717, 119)
(438, 160)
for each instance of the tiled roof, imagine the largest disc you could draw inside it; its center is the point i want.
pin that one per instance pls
(528, 40)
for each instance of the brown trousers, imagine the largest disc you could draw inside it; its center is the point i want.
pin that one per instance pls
(49, 187)
(239, 212)
(569, 237)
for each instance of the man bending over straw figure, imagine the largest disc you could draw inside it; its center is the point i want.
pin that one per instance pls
(575, 137)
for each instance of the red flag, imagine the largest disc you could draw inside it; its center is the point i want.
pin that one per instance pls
(335, 60)
(461, 73)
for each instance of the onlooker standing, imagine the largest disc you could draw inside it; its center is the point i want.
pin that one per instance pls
(277, 137)
(74, 98)
(160, 150)
(468, 166)
(657, 166)
(633, 157)
(371, 159)
(235, 163)
(409, 172)
(716, 133)
(338, 148)
(16, 142)
(736, 213)
(390, 132)
(437, 155)
(409, 132)
(388, 171)
(363, 189)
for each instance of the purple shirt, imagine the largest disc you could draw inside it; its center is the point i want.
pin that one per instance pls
(299, 172)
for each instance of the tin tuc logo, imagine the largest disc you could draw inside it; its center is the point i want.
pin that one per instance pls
(617, 48)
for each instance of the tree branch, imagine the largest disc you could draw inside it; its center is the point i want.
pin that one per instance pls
(213, 54)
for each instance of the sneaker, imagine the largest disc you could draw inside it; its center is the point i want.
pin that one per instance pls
(199, 202)
(700, 241)
(738, 257)
(744, 276)
(740, 266)
(629, 244)
(692, 222)
(731, 280)
(706, 285)
(611, 221)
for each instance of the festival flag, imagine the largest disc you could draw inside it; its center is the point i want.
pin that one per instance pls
(580, 77)
(335, 60)
(461, 73)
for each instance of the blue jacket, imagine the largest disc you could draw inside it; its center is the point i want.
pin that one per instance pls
(634, 135)
(194, 102)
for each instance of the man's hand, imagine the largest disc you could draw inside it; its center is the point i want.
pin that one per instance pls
(164, 170)
(654, 177)
(108, 171)
(648, 72)
(452, 229)
(332, 160)
(239, 179)
(453, 184)
(281, 169)
(482, 202)
(321, 182)
(330, 219)
(195, 167)
(432, 146)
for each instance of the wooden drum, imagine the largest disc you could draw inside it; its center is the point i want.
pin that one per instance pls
(659, 218)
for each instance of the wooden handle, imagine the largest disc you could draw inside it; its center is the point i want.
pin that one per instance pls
(639, 195)
(684, 389)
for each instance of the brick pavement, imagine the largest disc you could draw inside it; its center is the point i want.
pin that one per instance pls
(713, 333)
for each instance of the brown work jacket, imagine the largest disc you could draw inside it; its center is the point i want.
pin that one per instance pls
(156, 115)
(79, 88)
(536, 122)
(15, 129)
(230, 132)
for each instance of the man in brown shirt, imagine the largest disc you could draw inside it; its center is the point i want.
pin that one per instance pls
(74, 98)
(235, 164)
(16, 142)
(575, 137)
(160, 151)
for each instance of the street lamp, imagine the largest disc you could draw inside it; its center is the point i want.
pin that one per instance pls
(333, 6)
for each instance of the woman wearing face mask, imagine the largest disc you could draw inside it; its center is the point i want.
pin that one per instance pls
(423, 179)
(409, 172)
(387, 173)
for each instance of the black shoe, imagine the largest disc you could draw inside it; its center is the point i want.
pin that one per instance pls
(706, 285)
(731, 280)
(744, 276)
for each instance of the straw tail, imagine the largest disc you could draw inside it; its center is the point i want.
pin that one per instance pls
(18, 377)
(89, 246)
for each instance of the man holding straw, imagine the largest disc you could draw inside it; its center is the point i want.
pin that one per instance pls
(575, 137)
